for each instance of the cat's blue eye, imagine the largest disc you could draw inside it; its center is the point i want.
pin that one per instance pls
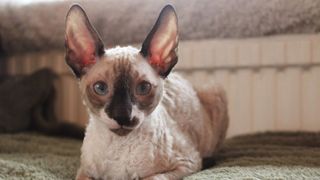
(143, 88)
(100, 88)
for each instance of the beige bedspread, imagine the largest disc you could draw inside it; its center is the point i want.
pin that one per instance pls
(264, 156)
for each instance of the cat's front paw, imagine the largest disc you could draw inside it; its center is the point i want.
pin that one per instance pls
(157, 177)
(135, 177)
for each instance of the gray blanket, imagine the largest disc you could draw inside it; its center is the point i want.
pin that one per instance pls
(41, 26)
(261, 156)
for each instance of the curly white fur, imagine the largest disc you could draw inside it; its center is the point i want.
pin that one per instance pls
(170, 143)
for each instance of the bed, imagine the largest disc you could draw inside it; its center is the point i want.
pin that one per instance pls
(270, 155)
(263, 49)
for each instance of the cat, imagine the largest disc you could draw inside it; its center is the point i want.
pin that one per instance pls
(145, 122)
(27, 104)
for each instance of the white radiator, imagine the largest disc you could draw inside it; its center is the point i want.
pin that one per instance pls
(273, 83)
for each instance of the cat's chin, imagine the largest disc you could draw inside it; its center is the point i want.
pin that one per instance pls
(121, 131)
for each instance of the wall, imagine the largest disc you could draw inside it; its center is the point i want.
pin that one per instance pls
(273, 83)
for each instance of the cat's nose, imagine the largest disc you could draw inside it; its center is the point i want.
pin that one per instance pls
(126, 121)
(122, 120)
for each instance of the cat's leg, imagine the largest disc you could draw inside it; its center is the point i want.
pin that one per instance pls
(213, 99)
(183, 168)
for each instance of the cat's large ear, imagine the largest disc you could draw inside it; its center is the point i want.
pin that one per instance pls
(83, 44)
(160, 46)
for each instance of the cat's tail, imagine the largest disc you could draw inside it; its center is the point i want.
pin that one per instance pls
(214, 100)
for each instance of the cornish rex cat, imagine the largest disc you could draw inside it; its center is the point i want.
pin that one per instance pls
(145, 122)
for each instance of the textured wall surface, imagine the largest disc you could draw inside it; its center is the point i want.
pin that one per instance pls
(273, 83)
(41, 26)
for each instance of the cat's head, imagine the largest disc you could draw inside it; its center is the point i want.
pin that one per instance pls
(123, 85)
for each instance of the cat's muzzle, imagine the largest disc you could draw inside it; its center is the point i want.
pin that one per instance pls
(126, 125)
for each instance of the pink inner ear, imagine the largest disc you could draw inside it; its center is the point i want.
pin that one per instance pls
(160, 49)
(89, 57)
(156, 51)
(155, 60)
(83, 47)
(163, 42)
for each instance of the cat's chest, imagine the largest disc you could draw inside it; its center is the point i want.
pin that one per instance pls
(125, 158)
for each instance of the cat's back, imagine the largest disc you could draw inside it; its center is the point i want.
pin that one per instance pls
(179, 94)
(181, 102)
